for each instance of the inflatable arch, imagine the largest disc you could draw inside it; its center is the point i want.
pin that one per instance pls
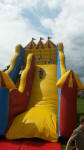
(38, 96)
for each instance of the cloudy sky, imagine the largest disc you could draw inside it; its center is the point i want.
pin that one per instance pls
(20, 20)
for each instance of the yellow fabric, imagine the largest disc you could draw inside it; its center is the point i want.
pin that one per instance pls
(13, 59)
(70, 84)
(62, 58)
(78, 81)
(41, 118)
(8, 82)
(25, 72)
(62, 80)
(45, 53)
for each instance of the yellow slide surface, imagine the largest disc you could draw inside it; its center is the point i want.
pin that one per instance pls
(41, 118)
(44, 90)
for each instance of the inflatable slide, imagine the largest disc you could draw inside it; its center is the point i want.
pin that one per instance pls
(38, 95)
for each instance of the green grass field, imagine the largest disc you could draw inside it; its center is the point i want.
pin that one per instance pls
(80, 110)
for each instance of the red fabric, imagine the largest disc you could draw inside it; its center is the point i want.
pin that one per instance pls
(29, 145)
(73, 148)
(68, 109)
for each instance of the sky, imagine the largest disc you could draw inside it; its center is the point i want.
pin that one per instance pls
(20, 20)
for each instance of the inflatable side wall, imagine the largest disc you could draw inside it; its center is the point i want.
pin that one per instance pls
(69, 84)
(19, 97)
(14, 101)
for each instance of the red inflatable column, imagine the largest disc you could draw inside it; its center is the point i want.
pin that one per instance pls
(68, 108)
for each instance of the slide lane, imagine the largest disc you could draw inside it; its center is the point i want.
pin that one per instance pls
(44, 92)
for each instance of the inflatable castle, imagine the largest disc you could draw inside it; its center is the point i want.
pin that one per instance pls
(38, 96)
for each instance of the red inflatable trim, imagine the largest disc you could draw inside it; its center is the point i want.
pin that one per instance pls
(29, 145)
(68, 109)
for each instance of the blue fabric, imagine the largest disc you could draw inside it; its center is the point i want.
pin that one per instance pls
(4, 109)
(59, 89)
(14, 74)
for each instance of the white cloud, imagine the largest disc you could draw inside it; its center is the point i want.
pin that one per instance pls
(54, 3)
(69, 28)
(22, 4)
(48, 23)
(14, 29)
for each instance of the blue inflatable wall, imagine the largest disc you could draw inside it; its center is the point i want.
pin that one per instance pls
(4, 109)
(14, 74)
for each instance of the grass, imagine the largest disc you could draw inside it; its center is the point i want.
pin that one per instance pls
(80, 111)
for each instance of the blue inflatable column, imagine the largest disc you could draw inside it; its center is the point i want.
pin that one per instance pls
(59, 89)
(4, 109)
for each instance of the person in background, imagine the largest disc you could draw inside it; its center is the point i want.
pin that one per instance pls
(77, 136)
